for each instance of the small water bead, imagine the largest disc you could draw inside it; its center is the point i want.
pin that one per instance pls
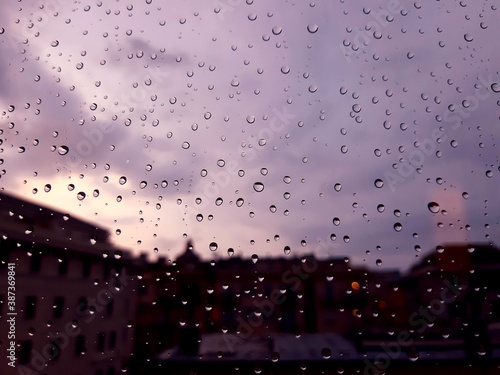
(258, 187)
(433, 207)
(313, 28)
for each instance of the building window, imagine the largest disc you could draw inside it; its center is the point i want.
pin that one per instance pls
(110, 306)
(83, 306)
(112, 339)
(25, 352)
(106, 271)
(80, 345)
(58, 307)
(87, 268)
(30, 309)
(101, 339)
(63, 266)
(36, 262)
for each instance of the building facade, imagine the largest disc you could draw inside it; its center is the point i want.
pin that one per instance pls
(74, 293)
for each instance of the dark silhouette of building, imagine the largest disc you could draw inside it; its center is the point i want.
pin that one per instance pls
(75, 293)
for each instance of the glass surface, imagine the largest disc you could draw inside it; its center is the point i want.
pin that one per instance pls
(236, 186)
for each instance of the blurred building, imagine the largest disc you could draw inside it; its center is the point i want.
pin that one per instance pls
(181, 301)
(458, 288)
(75, 294)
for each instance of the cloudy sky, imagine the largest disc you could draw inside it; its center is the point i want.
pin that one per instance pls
(345, 128)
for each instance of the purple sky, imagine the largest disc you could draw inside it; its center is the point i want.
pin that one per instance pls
(321, 93)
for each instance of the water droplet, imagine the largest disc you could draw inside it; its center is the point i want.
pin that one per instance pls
(413, 354)
(62, 150)
(21, 149)
(285, 69)
(275, 357)
(47, 188)
(185, 145)
(258, 187)
(468, 37)
(379, 183)
(255, 258)
(81, 196)
(213, 246)
(326, 353)
(378, 262)
(313, 28)
(287, 250)
(398, 227)
(337, 187)
(495, 87)
(239, 202)
(380, 208)
(29, 230)
(199, 217)
(230, 251)
(433, 207)
(122, 180)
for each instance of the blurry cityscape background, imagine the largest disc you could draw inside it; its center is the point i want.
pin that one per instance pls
(87, 307)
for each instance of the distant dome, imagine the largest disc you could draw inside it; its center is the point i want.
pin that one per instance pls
(189, 256)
